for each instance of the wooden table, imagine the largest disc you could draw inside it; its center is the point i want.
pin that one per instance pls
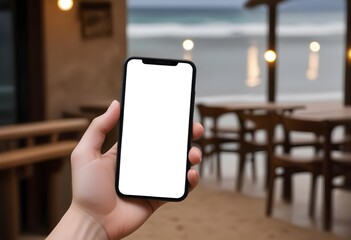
(340, 113)
(241, 106)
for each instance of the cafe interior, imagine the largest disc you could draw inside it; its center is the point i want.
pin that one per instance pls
(61, 66)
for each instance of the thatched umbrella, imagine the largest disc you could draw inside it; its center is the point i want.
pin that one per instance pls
(272, 5)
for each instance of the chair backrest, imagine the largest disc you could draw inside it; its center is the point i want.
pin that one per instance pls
(306, 129)
(340, 146)
(292, 123)
(211, 111)
(208, 112)
(259, 119)
(255, 121)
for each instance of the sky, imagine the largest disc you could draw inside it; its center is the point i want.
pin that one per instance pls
(305, 4)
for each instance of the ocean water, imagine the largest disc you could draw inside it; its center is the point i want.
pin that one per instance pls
(230, 44)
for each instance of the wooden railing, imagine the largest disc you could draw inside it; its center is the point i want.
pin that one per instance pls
(34, 152)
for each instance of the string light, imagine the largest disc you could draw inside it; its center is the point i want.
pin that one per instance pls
(270, 56)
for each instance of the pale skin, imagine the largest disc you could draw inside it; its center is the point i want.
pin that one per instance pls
(96, 211)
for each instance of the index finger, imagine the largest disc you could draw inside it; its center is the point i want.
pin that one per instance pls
(198, 130)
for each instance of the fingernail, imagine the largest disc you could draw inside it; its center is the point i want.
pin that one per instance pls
(111, 105)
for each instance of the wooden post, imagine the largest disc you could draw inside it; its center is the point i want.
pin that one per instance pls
(272, 21)
(11, 203)
(347, 80)
(272, 46)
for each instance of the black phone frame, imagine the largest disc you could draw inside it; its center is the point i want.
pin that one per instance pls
(158, 61)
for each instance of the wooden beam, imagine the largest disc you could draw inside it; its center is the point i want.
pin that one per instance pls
(254, 3)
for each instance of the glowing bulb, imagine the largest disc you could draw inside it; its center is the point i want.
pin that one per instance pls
(65, 5)
(270, 56)
(349, 53)
(315, 46)
(188, 45)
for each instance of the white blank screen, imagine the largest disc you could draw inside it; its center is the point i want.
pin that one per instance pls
(154, 145)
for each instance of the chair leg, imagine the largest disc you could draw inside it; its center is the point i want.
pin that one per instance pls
(287, 186)
(201, 166)
(241, 170)
(211, 164)
(253, 167)
(312, 204)
(327, 204)
(204, 159)
(268, 167)
(219, 172)
(270, 192)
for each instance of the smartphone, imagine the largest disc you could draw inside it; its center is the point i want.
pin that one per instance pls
(155, 128)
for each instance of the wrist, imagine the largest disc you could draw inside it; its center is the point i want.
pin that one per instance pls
(77, 224)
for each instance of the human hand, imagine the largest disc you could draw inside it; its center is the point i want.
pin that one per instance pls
(93, 180)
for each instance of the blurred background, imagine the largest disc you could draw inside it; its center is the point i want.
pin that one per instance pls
(230, 41)
(49, 66)
(53, 59)
(64, 58)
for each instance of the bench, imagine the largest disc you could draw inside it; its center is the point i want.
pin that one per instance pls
(27, 150)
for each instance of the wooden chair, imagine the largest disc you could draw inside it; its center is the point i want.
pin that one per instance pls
(216, 139)
(336, 164)
(249, 141)
(290, 161)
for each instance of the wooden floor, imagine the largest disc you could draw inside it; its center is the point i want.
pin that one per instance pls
(294, 213)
